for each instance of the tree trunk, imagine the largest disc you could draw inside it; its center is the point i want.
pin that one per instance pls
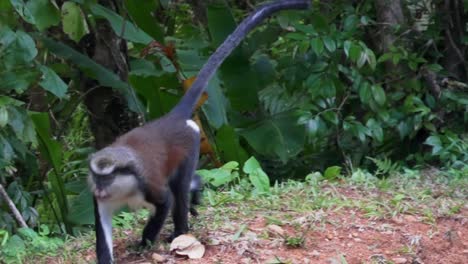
(389, 15)
(453, 22)
(109, 114)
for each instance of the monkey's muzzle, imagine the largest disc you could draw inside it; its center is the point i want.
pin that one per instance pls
(101, 194)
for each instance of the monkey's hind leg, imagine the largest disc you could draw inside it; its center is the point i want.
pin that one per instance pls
(156, 222)
(180, 187)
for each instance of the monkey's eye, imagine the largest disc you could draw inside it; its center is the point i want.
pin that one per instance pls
(103, 180)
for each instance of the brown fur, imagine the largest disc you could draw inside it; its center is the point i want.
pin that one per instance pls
(165, 142)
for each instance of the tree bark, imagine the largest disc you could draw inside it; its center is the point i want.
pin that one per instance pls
(108, 111)
(389, 15)
(453, 22)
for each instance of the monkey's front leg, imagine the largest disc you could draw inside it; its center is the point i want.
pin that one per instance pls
(103, 225)
(155, 223)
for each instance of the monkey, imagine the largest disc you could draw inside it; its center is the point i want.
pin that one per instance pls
(154, 165)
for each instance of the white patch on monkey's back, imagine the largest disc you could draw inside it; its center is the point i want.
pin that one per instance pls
(193, 125)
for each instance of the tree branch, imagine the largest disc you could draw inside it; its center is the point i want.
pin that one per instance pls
(12, 206)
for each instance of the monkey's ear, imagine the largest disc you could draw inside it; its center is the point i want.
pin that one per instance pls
(102, 165)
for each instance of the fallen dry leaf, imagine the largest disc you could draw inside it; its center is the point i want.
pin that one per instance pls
(158, 258)
(275, 229)
(188, 245)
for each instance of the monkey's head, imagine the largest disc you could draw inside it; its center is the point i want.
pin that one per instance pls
(113, 173)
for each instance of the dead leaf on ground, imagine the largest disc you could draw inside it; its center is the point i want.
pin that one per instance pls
(275, 229)
(188, 245)
(158, 258)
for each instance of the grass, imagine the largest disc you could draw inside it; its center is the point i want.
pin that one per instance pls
(302, 207)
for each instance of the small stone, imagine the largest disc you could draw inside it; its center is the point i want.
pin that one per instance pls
(315, 253)
(329, 236)
(349, 244)
(399, 260)
(355, 234)
(158, 258)
(357, 239)
(306, 261)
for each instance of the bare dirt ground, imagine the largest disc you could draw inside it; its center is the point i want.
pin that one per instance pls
(332, 235)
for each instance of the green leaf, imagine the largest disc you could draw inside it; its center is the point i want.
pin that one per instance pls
(45, 13)
(330, 44)
(312, 125)
(378, 94)
(94, 70)
(375, 129)
(120, 26)
(435, 143)
(220, 176)
(317, 45)
(15, 247)
(251, 165)
(434, 67)
(384, 57)
(19, 49)
(319, 22)
(144, 68)
(73, 21)
(18, 79)
(23, 10)
(52, 151)
(3, 116)
(51, 82)
(404, 128)
(228, 146)
(354, 52)
(362, 59)
(215, 107)
(236, 71)
(365, 92)
(347, 46)
(21, 124)
(221, 22)
(142, 14)
(331, 117)
(350, 22)
(81, 208)
(260, 181)
(371, 58)
(279, 136)
(158, 101)
(332, 172)
(257, 176)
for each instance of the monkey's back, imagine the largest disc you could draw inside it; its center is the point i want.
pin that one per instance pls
(161, 145)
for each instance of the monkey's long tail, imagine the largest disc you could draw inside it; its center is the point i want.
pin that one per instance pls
(187, 104)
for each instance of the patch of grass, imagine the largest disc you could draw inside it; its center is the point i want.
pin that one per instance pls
(306, 206)
(294, 241)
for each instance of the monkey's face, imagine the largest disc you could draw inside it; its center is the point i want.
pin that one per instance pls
(111, 176)
(113, 186)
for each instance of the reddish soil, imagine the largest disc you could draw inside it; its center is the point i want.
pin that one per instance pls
(344, 234)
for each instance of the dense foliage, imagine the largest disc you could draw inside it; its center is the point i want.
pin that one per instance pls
(339, 86)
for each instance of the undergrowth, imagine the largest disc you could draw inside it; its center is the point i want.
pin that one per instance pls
(429, 194)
